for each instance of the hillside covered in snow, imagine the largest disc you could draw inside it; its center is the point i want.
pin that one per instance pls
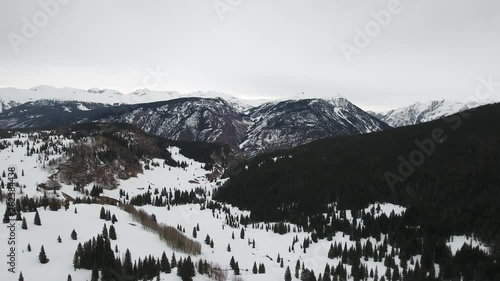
(107, 201)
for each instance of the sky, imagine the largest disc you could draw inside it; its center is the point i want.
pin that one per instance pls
(378, 54)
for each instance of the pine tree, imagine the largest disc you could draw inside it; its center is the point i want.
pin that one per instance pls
(262, 269)
(165, 265)
(102, 215)
(24, 225)
(112, 233)
(281, 264)
(73, 235)
(229, 247)
(6, 216)
(113, 219)
(212, 244)
(173, 261)
(69, 278)
(186, 270)
(236, 269)
(288, 274)
(127, 262)
(21, 277)
(232, 262)
(59, 240)
(76, 260)
(104, 232)
(179, 266)
(254, 269)
(194, 232)
(331, 252)
(200, 267)
(29, 248)
(242, 233)
(37, 219)
(42, 257)
(297, 269)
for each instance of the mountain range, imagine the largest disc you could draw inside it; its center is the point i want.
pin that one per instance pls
(421, 112)
(250, 126)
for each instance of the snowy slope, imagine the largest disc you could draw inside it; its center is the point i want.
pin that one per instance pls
(421, 112)
(141, 242)
(11, 97)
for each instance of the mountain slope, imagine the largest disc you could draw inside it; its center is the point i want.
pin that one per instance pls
(290, 123)
(43, 113)
(421, 112)
(452, 186)
(267, 127)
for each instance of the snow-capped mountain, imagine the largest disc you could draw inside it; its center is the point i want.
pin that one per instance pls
(271, 126)
(11, 97)
(290, 123)
(421, 112)
(187, 119)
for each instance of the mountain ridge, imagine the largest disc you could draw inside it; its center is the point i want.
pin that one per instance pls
(270, 126)
(421, 112)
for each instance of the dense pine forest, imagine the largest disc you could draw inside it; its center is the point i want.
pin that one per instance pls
(445, 172)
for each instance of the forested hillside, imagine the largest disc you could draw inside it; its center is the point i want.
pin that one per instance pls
(445, 172)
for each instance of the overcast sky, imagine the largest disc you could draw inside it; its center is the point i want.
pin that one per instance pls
(254, 48)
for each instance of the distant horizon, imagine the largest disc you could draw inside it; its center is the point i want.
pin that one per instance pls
(255, 100)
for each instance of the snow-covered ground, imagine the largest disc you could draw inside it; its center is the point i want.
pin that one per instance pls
(457, 242)
(131, 235)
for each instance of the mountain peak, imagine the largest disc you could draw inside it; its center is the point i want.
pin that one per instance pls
(420, 112)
